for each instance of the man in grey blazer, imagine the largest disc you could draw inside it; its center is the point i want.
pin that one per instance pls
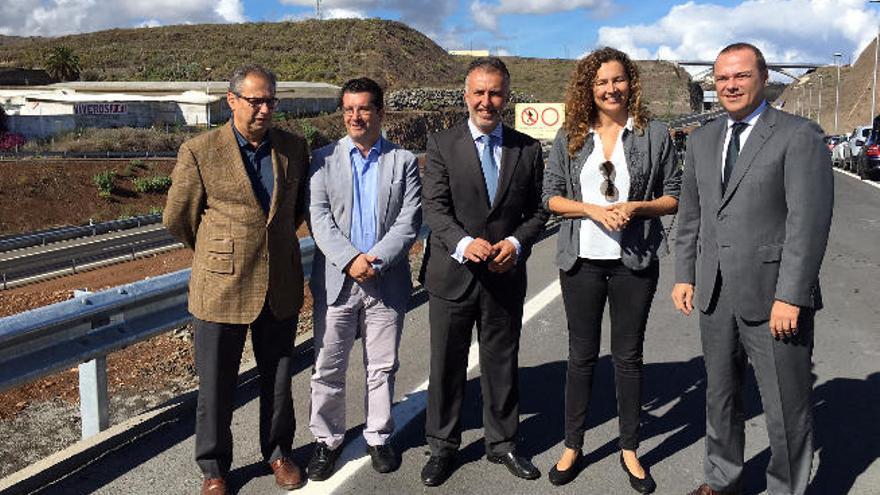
(365, 214)
(754, 215)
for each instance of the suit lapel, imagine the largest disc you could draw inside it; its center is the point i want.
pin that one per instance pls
(227, 147)
(279, 169)
(386, 175)
(467, 160)
(509, 159)
(717, 160)
(341, 179)
(763, 129)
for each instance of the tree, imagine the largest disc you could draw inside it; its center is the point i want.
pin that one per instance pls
(63, 64)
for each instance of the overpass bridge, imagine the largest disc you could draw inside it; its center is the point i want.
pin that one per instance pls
(783, 68)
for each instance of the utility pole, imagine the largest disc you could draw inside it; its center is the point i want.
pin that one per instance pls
(318, 13)
(837, 57)
(819, 115)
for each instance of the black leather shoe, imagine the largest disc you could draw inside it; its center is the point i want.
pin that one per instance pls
(559, 478)
(437, 470)
(323, 462)
(517, 465)
(384, 458)
(641, 485)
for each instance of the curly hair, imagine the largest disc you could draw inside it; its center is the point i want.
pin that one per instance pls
(580, 107)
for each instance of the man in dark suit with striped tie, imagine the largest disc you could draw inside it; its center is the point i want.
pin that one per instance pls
(481, 198)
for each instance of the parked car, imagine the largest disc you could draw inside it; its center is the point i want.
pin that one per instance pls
(856, 141)
(867, 165)
(832, 141)
(840, 154)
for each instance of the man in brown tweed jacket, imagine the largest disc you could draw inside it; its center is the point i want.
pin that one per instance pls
(236, 200)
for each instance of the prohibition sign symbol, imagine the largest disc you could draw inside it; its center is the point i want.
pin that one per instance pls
(550, 116)
(529, 116)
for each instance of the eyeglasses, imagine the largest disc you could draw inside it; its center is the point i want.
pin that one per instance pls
(607, 187)
(365, 111)
(258, 102)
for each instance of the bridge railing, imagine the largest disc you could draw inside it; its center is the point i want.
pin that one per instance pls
(87, 328)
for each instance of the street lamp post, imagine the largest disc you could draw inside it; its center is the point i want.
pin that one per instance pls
(810, 106)
(208, 94)
(837, 57)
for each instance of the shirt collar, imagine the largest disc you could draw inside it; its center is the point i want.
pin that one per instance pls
(376, 148)
(751, 118)
(476, 133)
(244, 143)
(628, 126)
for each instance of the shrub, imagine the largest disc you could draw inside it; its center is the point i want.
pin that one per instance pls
(10, 141)
(155, 210)
(132, 166)
(106, 182)
(153, 184)
(310, 132)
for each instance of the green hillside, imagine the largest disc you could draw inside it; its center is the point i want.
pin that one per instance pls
(312, 50)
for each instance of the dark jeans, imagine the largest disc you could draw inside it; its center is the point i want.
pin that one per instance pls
(629, 293)
(218, 348)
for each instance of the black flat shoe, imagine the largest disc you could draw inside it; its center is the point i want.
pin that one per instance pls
(437, 470)
(641, 485)
(517, 465)
(560, 478)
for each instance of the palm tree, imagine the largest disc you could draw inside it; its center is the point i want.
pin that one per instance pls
(62, 64)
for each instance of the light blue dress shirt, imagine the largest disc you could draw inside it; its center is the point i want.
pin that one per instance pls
(365, 183)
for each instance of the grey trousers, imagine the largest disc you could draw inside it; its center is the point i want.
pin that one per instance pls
(358, 311)
(783, 372)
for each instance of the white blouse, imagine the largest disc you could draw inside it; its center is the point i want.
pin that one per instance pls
(595, 241)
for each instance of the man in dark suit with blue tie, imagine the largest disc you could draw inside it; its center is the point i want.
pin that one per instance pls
(481, 198)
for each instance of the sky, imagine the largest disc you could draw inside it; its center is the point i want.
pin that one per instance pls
(786, 30)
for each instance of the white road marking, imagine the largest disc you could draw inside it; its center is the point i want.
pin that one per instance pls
(353, 455)
(856, 177)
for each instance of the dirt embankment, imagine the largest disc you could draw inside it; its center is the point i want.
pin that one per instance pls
(854, 109)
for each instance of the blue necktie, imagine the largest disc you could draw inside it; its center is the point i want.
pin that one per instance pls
(490, 170)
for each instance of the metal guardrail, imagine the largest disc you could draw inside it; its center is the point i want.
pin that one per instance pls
(14, 155)
(85, 329)
(43, 237)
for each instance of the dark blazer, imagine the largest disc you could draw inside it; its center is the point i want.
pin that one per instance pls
(653, 173)
(767, 234)
(241, 256)
(456, 204)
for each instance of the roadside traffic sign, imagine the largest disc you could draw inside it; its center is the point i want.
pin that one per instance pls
(540, 120)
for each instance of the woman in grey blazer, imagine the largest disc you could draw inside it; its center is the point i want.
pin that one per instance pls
(610, 176)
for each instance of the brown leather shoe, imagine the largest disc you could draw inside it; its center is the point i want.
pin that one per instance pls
(214, 486)
(287, 474)
(705, 489)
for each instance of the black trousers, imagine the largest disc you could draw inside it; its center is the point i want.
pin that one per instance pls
(218, 348)
(629, 293)
(498, 330)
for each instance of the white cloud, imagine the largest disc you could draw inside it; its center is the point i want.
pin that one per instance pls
(550, 6)
(343, 14)
(58, 17)
(426, 16)
(785, 30)
(483, 16)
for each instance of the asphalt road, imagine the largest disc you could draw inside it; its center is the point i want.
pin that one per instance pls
(846, 394)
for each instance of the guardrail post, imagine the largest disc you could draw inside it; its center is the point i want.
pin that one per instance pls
(93, 397)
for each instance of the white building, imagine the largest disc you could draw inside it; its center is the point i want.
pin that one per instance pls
(42, 111)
